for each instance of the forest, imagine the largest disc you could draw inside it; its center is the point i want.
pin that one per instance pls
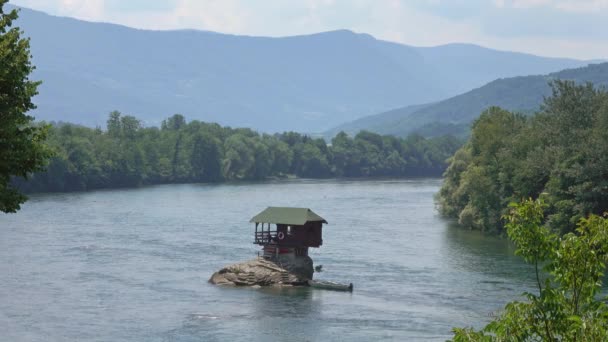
(127, 154)
(559, 154)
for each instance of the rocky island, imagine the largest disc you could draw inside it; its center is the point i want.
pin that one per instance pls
(266, 272)
(285, 260)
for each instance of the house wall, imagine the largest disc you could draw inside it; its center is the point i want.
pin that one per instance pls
(308, 235)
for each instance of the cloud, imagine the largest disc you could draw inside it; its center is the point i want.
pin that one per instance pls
(82, 9)
(219, 15)
(134, 6)
(586, 6)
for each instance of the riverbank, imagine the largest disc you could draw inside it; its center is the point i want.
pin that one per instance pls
(129, 155)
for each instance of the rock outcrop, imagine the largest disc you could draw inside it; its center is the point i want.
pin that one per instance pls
(266, 272)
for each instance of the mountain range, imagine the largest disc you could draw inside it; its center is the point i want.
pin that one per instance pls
(306, 83)
(454, 115)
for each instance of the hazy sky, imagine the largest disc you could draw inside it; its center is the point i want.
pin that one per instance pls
(568, 28)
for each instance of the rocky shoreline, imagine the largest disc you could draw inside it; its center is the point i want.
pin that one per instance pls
(266, 272)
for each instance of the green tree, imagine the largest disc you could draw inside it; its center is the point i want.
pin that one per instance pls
(130, 126)
(205, 159)
(561, 151)
(114, 124)
(127, 154)
(263, 160)
(346, 157)
(22, 149)
(312, 162)
(281, 154)
(175, 122)
(566, 307)
(239, 159)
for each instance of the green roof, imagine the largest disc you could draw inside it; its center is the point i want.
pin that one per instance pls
(284, 215)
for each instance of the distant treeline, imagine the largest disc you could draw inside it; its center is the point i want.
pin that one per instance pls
(127, 154)
(560, 154)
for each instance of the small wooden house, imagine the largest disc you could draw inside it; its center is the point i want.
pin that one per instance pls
(294, 231)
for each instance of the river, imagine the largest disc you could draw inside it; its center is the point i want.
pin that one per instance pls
(133, 264)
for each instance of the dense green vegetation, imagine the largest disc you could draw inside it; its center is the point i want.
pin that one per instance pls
(523, 94)
(561, 153)
(22, 148)
(127, 154)
(565, 307)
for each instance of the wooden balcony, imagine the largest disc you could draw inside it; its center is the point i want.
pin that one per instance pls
(265, 237)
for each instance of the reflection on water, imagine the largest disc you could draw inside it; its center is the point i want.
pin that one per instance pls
(498, 276)
(132, 265)
(481, 252)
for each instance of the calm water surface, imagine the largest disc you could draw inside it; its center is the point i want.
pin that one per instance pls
(132, 265)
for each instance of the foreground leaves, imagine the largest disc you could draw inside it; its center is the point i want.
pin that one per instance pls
(22, 148)
(566, 306)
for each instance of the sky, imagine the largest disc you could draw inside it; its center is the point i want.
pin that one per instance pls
(559, 28)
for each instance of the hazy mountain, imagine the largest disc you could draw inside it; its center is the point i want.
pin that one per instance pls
(305, 83)
(376, 122)
(522, 94)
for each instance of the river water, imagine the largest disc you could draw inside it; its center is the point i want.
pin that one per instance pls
(132, 265)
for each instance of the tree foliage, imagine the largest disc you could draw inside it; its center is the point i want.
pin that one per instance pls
(566, 306)
(22, 148)
(561, 152)
(128, 154)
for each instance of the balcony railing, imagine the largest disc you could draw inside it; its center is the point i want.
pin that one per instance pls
(265, 237)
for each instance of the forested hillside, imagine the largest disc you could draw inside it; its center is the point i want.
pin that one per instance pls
(306, 83)
(519, 94)
(559, 154)
(126, 154)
